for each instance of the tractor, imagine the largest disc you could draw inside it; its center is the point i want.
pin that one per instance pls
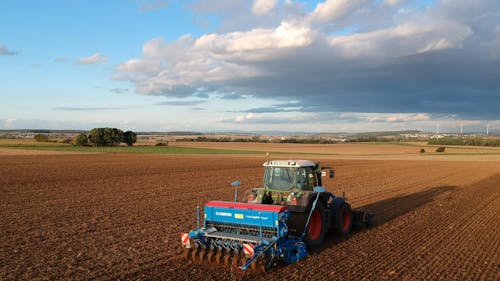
(291, 214)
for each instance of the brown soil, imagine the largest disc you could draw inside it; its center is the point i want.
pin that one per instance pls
(16, 151)
(115, 216)
(341, 148)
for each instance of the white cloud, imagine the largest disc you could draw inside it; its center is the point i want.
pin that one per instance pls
(494, 44)
(60, 59)
(354, 122)
(344, 56)
(385, 117)
(263, 7)
(393, 2)
(439, 44)
(5, 51)
(402, 40)
(119, 90)
(287, 34)
(274, 118)
(140, 66)
(211, 58)
(154, 5)
(93, 59)
(334, 10)
(8, 123)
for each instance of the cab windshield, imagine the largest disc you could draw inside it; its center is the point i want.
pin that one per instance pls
(287, 178)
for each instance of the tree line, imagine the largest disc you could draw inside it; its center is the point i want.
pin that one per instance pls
(105, 137)
(472, 141)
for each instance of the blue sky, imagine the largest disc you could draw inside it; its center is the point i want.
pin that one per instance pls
(312, 66)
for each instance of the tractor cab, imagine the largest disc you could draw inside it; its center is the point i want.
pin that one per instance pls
(291, 175)
(285, 181)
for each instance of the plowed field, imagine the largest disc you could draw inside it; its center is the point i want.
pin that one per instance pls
(118, 216)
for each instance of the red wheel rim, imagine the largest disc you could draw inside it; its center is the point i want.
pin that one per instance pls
(346, 217)
(314, 229)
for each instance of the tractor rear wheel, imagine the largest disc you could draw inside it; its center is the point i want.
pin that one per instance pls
(316, 230)
(343, 219)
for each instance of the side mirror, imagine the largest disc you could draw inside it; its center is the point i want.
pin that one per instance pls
(332, 174)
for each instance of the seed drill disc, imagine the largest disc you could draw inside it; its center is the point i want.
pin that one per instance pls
(186, 252)
(194, 253)
(262, 266)
(210, 256)
(201, 255)
(253, 266)
(227, 259)
(235, 261)
(218, 258)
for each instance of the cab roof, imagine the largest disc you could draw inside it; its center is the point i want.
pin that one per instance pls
(289, 163)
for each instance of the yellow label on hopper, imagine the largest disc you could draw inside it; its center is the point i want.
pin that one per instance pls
(238, 216)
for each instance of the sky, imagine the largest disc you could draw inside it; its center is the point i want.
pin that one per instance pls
(262, 65)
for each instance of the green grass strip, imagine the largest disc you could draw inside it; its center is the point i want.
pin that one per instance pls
(144, 149)
(133, 149)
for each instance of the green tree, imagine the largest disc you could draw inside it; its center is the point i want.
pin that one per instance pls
(41, 138)
(255, 139)
(96, 137)
(81, 140)
(105, 136)
(129, 138)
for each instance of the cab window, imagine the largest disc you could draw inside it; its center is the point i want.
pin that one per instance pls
(305, 178)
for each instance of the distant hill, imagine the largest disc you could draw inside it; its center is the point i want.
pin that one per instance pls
(172, 133)
(45, 131)
(386, 133)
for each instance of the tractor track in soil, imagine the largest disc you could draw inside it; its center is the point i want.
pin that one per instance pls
(119, 216)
